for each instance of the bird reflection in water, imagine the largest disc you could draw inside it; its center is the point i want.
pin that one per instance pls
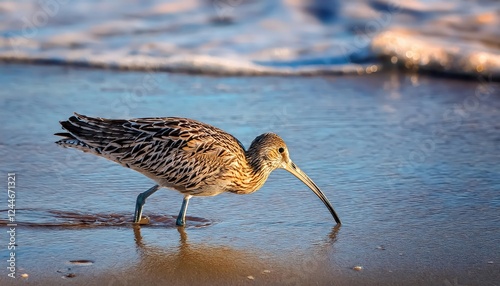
(190, 262)
(196, 262)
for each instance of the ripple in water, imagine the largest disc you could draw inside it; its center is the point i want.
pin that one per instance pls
(55, 218)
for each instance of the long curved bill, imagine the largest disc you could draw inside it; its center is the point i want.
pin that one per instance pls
(292, 168)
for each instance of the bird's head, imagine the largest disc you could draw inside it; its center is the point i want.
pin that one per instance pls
(269, 152)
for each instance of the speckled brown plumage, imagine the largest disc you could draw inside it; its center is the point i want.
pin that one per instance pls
(186, 155)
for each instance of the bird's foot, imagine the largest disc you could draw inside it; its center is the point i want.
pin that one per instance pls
(180, 222)
(144, 220)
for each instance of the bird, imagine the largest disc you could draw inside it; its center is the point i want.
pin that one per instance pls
(186, 155)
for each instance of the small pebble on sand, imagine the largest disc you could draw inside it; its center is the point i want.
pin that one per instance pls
(266, 271)
(251, 277)
(358, 268)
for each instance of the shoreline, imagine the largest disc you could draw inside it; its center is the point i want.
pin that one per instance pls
(366, 69)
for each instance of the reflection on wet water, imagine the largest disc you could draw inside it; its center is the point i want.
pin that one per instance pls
(214, 263)
(57, 218)
(187, 260)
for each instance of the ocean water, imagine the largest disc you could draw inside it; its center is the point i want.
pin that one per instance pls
(251, 37)
(410, 163)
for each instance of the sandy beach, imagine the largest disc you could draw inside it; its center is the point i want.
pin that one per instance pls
(415, 184)
(391, 107)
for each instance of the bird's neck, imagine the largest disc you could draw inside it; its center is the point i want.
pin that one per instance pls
(253, 175)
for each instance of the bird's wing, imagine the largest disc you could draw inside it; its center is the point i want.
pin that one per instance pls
(180, 151)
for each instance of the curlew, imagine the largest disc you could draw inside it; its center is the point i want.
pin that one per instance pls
(186, 155)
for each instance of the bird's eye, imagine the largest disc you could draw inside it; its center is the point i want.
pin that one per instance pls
(281, 150)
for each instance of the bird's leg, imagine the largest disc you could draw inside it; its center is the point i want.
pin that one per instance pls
(181, 219)
(141, 200)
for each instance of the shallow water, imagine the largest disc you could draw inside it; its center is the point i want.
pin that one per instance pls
(285, 37)
(409, 162)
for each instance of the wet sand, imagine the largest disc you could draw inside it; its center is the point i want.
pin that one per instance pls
(428, 218)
